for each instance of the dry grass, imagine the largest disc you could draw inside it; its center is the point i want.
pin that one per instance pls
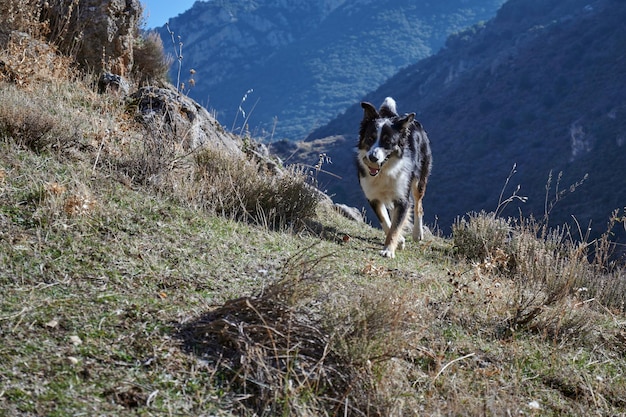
(53, 21)
(550, 270)
(238, 188)
(151, 63)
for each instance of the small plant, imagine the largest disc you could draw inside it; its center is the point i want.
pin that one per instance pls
(559, 193)
(241, 110)
(479, 236)
(233, 186)
(151, 64)
(53, 21)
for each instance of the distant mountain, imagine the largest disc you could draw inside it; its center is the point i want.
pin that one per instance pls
(541, 86)
(305, 61)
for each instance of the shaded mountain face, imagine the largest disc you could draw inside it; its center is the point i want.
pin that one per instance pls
(540, 86)
(304, 62)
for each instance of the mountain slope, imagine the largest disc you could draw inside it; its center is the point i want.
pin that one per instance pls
(539, 86)
(306, 61)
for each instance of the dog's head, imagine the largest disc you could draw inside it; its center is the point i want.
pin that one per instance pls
(383, 135)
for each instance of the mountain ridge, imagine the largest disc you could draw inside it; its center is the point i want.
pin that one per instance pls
(306, 63)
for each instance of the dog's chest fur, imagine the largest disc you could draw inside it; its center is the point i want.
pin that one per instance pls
(391, 184)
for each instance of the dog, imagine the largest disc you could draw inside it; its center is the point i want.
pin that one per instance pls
(394, 161)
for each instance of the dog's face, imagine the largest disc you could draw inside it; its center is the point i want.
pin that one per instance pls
(382, 136)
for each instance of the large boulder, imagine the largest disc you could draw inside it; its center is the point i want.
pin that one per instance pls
(175, 113)
(109, 28)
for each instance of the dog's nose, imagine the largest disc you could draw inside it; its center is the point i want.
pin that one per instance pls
(373, 158)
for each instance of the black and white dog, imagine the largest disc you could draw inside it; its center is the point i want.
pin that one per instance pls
(393, 161)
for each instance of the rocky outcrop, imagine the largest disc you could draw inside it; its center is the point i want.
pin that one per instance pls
(109, 82)
(108, 29)
(174, 113)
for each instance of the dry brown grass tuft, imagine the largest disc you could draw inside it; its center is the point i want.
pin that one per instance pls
(151, 64)
(550, 272)
(236, 187)
(303, 347)
(53, 21)
(25, 60)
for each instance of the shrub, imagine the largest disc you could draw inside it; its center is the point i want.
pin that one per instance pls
(151, 64)
(548, 269)
(236, 187)
(303, 348)
(545, 266)
(54, 21)
(480, 235)
(20, 15)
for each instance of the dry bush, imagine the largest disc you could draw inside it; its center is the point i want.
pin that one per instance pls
(31, 121)
(27, 123)
(376, 330)
(301, 348)
(25, 60)
(151, 64)
(480, 235)
(546, 268)
(236, 187)
(65, 117)
(151, 159)
(219, 181)
(21, 15)
(53, 21)
(270, 350)
(550, 272)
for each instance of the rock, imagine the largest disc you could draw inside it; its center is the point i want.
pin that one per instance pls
(109, 82)
(350, 212)
(109, 28)
(164, 108)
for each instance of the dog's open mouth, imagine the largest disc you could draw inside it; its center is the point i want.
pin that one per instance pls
(373, 171)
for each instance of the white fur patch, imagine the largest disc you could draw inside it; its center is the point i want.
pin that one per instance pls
(391, 184)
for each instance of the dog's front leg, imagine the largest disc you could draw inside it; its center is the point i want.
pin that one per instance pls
(394, 234)
(382, 214)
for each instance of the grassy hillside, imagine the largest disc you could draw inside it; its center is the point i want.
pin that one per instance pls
(171, 294)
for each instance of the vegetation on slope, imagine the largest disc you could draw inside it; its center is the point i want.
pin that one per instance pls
(127, 296)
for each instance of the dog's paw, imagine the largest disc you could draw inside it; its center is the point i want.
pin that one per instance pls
(387, 253)
(418, 234)
(401, 243)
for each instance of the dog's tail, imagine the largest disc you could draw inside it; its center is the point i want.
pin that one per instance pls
(388, 108)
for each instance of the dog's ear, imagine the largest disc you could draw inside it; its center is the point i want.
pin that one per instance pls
(406, 120)
(370, 111)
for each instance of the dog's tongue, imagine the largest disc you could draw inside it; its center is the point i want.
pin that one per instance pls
(374, 171)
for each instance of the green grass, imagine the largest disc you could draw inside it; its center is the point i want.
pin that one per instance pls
(121, 297)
